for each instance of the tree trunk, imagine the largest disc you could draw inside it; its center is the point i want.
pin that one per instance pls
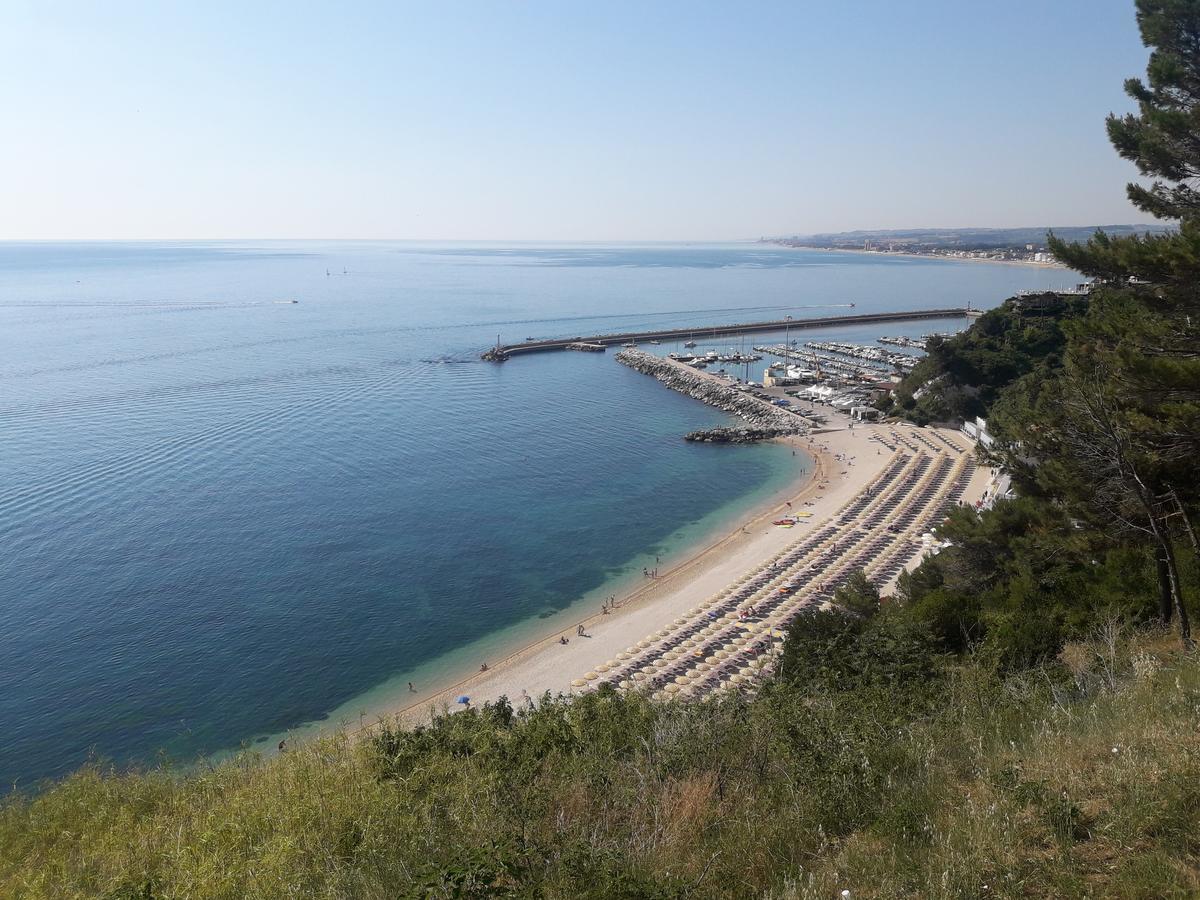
(1164, 542)
(1165, 599)
(1187, 522)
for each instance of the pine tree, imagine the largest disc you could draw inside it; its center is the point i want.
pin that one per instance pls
(1129, 418)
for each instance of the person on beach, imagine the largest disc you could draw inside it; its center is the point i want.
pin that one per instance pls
(579, 630)
(411, 689)
(283, 745)
(483, 668)
(645, 572)
(564, 640)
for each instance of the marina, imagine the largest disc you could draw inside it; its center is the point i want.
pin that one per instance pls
(886, 359)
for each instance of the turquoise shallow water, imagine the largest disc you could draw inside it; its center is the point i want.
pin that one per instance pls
(222, 515)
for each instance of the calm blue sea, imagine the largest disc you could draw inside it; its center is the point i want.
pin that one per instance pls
(223, 516)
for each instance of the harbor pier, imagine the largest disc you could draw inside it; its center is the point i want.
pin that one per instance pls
(597, 342)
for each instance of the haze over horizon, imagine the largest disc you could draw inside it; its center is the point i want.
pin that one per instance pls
(540, 122)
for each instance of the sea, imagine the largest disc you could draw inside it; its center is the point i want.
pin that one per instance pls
(252, 488)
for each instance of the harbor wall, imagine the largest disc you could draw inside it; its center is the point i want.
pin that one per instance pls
(763, 420)
(504, 351)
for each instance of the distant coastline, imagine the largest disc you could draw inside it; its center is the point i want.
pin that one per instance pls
(934, 256)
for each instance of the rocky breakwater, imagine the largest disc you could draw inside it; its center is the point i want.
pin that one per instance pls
(764, 421)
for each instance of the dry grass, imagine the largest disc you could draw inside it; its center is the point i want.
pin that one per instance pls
(1085, 784)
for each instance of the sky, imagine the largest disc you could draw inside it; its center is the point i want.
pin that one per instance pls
(567, 120)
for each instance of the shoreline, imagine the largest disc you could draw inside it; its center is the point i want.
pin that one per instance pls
(547, 666)
(846, 458)
(512, 643)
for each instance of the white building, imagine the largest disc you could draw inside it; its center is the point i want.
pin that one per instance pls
(977, 431)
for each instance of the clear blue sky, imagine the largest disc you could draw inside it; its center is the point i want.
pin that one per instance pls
(558, 120)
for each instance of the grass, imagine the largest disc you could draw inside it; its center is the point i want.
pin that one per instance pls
(1078, 779)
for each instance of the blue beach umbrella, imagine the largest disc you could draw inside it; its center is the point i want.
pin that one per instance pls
(464, 699)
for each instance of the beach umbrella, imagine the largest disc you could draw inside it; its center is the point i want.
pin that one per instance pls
(604, 667)
(464, 699)
(591, 676)
(671, 688)
(578, 682)
(682, 679)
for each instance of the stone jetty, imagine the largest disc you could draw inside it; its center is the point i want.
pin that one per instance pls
(764, 420)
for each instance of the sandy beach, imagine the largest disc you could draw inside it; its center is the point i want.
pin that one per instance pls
(846, 459)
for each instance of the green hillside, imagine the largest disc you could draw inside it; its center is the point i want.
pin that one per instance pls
(1076, 777)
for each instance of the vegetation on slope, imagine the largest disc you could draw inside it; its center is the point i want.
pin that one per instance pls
(902, 780)
(962, 376)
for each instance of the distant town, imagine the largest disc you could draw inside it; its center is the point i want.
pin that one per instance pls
(1025, 245)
